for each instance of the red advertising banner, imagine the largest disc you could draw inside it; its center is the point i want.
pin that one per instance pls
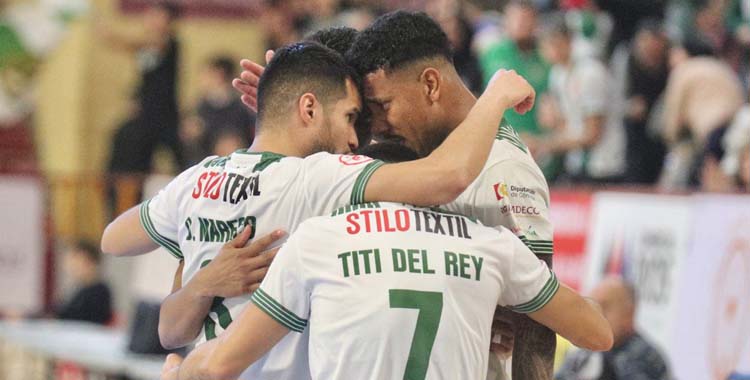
(200, 8)
(570, 214)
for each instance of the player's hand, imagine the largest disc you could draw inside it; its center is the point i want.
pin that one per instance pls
(171, 367)
(237, 269)
(503, 335)
(513, 91)
(247, 83)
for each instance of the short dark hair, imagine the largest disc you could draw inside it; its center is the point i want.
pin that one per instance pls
(223, 63)
(299, 68)
(88, 249)
(396, 39)
(388, 151)
(339, 39)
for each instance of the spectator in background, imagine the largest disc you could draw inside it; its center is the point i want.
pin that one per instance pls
(703, 94)
(157, 55)
(592, 27)
(627, 15)
(220, 110)
(586, 125)
(631, 357)
(91, 301)
(193, 139)
(644, 72)
(518, 51)
(449, 14)
(709, 25)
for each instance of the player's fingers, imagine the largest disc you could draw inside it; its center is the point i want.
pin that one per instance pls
(261, 244)
(269, 56)
(171, 362)
(257, 275)
(250, 102)
(253, 287)
(269, 255)
(241, 86)
(248, 65)
(250, 78)
(240, 240)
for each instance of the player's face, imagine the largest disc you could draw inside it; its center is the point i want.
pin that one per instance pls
(337, 134)
(400, 111)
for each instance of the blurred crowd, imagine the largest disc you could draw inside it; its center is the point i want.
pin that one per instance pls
(630, 92)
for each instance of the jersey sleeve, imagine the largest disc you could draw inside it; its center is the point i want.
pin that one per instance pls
(160, 214)
(528, 284)
(283, 294)
(515, 196)
(334, 181)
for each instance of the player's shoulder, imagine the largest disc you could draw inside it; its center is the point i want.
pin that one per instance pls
(509, 162)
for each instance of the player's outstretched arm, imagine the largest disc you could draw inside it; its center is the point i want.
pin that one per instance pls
(125, 236)
(443, 175)
(576, 319)
(246, 340)
(235, 271)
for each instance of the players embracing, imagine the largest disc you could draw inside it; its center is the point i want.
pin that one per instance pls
(308, 101)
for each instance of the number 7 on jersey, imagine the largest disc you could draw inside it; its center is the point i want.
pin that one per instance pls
(430, 306)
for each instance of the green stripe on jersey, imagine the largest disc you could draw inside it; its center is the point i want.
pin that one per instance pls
(539, 247)
(278, 312)
(360, 184)
(507, 133)
(148, 225)
(266, 159)
(545, 295)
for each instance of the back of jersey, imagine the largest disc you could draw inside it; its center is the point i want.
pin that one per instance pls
(208, 204)
(400, 292)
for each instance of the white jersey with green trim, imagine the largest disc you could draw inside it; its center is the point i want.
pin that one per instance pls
(399, 292)
(206, 205)
(510, 192)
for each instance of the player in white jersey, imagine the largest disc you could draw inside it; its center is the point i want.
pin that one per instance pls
(397, 292)
(417, 98)
(206, 205)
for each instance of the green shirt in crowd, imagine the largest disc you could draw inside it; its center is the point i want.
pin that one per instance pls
(506, 55)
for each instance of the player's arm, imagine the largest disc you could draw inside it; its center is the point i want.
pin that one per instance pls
(153, 223)
(245, 341)
(576, 319)
(443, 175)
(530, 287)
(126, 236)
(236, 270)
(274, 312)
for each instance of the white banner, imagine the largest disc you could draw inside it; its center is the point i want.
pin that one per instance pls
(712, 334)
(21, 244)
(644, 238)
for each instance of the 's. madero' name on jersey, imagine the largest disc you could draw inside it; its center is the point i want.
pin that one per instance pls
(229, 187)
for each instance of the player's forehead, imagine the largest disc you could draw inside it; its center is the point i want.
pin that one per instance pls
(353, 98)
(380, 85)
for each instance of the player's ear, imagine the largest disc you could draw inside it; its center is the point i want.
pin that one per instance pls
(431, 82)
(307, 108)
